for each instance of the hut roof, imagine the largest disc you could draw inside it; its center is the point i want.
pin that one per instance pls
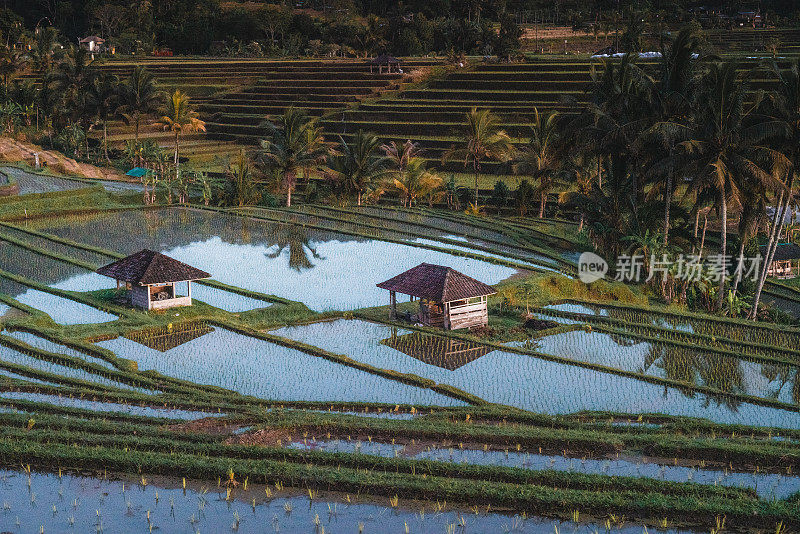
(384, 59)
(784, 251)
(437, 283)
(91, 38)
(149, 267)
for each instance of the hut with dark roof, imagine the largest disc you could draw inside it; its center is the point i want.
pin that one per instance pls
(92, 43)
(447, 298)
(785, 262)
(151, 278)
(384, 60)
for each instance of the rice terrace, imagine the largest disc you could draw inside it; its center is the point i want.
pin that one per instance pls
(377, 267)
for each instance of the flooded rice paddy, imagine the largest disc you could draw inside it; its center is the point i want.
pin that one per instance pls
(255, 367)
(29, 182)
(15, 357)
(703, 368)
(62, 310)
(322, 269)
(101, 406)
(529, 382)
(72, 503)
(50, 346)
(61, 275)
(766, 484)
(765, 334)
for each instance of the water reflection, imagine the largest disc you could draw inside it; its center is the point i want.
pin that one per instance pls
(296, 240)
(553, 387)
(165, 339)
(434, 350)
(695, 366)
(323, 269)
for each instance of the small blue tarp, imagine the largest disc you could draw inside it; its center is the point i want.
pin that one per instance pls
(137, 172)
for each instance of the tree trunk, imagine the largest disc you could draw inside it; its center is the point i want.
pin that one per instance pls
(136, 129)
(739, 266)
(600, 173)
(771, 247)
(476, 186)
(703, 237)
(542, 203)
(289, 196)
(668, 200)
(723, 247)
(580, 224)
(105, 141)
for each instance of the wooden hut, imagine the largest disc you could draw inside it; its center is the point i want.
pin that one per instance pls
(151, 278)
(384, 60)
(447, 298)
(92, 43)
(786, 262)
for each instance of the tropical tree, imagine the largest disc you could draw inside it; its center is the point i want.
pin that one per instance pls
(103, 101)
(781, 126)
(399, 154)
(541, 157)
(680, 70)
(720, 155)
(139, 98)
(293, 142)
(12, 61)
(45, 50)
(70, 82)
(240, 174)
(358, 165)
(416, 182)
(10, 113)
(485, 139)
(180, 117)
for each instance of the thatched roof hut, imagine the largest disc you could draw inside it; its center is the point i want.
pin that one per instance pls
(384, 60)
(448, 298)
(785, 262)
(152, 277)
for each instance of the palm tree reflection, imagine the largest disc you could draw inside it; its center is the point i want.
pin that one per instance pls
(294, 238)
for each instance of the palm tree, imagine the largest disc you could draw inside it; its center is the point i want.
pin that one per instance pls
(70, 85)
(781, 125)
(416, 182)
(12, 61)
(541, 157)
(293, 142)
(45, 50)
(359, 165)
(399, 154)
(720, 156)
(180, 117)
(679, 70)
(484, 140)
(104, 103)
(240, 173)
(139, 97)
